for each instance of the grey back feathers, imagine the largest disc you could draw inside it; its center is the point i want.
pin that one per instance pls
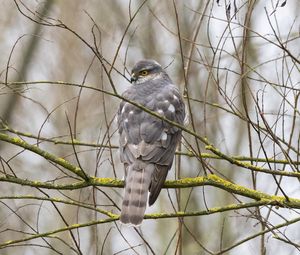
(147, 144)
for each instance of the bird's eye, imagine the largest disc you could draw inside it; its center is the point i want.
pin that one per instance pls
(144, 72)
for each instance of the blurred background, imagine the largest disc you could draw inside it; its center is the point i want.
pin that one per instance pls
(237, 65)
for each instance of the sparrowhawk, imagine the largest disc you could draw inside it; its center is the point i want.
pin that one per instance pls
(147, 143)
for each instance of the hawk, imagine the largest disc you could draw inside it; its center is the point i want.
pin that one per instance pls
(147, 143)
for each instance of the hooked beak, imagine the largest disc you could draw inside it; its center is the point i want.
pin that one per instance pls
(133, 77)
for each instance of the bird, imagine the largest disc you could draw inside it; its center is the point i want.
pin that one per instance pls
(147, 143)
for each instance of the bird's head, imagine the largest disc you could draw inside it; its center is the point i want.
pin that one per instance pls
(145, 70)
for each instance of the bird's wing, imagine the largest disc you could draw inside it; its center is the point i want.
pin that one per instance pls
(169, 104)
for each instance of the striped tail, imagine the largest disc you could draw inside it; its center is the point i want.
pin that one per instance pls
(137, 184)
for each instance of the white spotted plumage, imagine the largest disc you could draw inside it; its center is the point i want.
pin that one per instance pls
(171, 108)
(160, 111)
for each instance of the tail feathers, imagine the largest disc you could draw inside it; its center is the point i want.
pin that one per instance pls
(157, 181)
(136, 193)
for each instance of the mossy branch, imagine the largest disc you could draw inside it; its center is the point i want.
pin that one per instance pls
(188, 154)
(115, 217)
(269, 229)
(64, 163)
(60, 161)
(210, 180)
(52, 233)
(214, 180)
